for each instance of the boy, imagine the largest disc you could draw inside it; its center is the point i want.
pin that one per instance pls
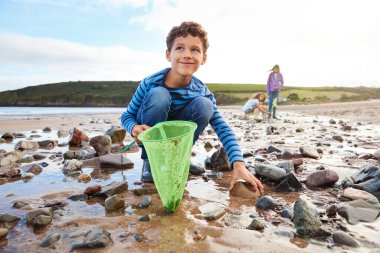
(175, 94)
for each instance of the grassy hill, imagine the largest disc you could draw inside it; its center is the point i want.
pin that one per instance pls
(118, 93)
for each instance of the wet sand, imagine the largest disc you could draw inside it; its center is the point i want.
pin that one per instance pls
(186, 229)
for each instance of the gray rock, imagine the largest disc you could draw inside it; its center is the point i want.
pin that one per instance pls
(8, 218)
(304, 221)
(267, 203)
(269, 171)
(145, 202)
(359, 210)
(219, 161)
(101, 144)
(368, 177)
(32, 215)
(71, 166)
(343, 238)
(112, 189)
(115, 161)
(196, 168)
(93, 240)
(309, 152)
(289, 184)
(50, 239)
(114, 203)
(42, 220)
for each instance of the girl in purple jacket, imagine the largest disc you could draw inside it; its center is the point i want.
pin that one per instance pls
(274, 84)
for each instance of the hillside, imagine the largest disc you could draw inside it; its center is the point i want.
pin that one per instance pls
(118, 94)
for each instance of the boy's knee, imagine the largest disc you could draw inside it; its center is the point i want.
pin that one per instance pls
(203, 107)
(159, 96)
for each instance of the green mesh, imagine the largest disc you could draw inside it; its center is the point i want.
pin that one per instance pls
(168, 145)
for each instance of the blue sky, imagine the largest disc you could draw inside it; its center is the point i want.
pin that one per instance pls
(315, 42)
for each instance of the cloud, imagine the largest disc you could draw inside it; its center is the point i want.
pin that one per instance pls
(42, 60)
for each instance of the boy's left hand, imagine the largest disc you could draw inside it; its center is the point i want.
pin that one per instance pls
(240, 172)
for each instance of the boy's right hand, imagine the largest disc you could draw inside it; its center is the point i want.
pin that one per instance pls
(137, 129)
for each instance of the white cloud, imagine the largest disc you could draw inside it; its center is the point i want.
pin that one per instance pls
(28, 61)
(315, 42)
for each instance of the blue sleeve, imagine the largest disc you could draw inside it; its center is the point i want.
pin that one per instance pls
(128, 118)
(225, 134)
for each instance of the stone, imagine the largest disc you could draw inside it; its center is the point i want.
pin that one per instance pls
(256, 225)
(368, 178)
(289, 184)
(309, 152)
(196, 168)
(77, 137)
(62, 133)
(9, 171)
(359, 210)
(48, 144)
(145, 202)
(27, 145)
(267, 203)
(72, 165)
(115, 161)
(219, 160)
(286, 155)
(355, 194)
(31, 168)
(114, 203)
(92, 189)
(117, 134)
(50, 239)
(340, 237)
(3, 233)
(270, 171)
(93, 240)
(244, 190)
(10, 157)
(8, 218)
(305, 222)
(112, 189)
(322, 178)
(101, 144)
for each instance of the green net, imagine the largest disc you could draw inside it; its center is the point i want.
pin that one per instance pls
(168, 145)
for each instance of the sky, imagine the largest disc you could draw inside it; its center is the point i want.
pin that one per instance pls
(315, 42)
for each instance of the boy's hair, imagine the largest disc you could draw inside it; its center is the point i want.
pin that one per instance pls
(186, 28)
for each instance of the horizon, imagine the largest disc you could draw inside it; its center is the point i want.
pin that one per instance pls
(316, 43)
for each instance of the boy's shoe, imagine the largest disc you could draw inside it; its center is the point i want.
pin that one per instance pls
(146, 174)
(269, 115)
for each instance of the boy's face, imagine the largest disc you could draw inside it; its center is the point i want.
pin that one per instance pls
(186, 55)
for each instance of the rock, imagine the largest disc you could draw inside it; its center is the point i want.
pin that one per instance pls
(267, 203)
(297, 162)
(286, 155)
(32, 168)
(219, 161)
(145, 190)
(272, 149)
(376, 155)
(117, 134)
(101, 144)
(112, 189)
(93, 240)
(42, 220)
(322, 178)
(72, 165)
(256, 225)
(27, 145)
(146, 217)
(332, 121)
(115, 161)
(305, 222)
(145, 202)
(244, 190)
(114, 203)
(196, 168)
(48, 144)
(309, 152)
(359, 210)
(269, 171)
(288, 166)
(9, 172)
(62, 133)
(50, 239)
(338, 138)
(78, 197)
(331, 210)
(355, 194)
(340, 237)
(84, 178)
(32, 215)
(28, 159)
(8, 218)
(289, 184)
(72, 154)
(92, 189)
(368, 177)
(77, 137)
(19, 204)
(3, 233)
(8, 137)
(212, 211)
(10, 157)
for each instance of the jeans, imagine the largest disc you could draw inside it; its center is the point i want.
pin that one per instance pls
(271, 97)
(155, 108)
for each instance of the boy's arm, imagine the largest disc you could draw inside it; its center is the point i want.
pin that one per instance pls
(128, 118)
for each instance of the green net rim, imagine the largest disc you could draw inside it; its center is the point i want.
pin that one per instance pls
(175, 122)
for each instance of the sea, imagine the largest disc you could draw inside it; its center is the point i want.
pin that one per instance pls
(21, 112)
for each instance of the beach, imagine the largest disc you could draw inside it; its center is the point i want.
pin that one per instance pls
(340, 138)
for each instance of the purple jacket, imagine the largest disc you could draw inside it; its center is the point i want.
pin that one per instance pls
(275, 82)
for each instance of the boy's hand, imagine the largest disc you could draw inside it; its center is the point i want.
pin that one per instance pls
(240, 172)
(137, 129)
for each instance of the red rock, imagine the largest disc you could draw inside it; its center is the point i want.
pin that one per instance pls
(92, 189)
(322, 178)
(77, 136)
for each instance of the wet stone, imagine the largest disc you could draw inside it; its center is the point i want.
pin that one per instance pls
(50, 239)
(92, 189)
(93, 240)
(145, 191)
(115, 161)
(270, 171)
(101, 144)
(322, 178)
(286, 155)
(196, 168)
(146, 217)
(114, 203)
(42, 220)
(219, 161)
(368, 177)
(78, 197)
(244, 190)
(3, 233)
(19, 204)
(112, 189)
(145, 202)
(304, 221)
(289, 184)
(267, 203)
(359, 210)
(32, 168)
(214, 174)
(8, 218)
